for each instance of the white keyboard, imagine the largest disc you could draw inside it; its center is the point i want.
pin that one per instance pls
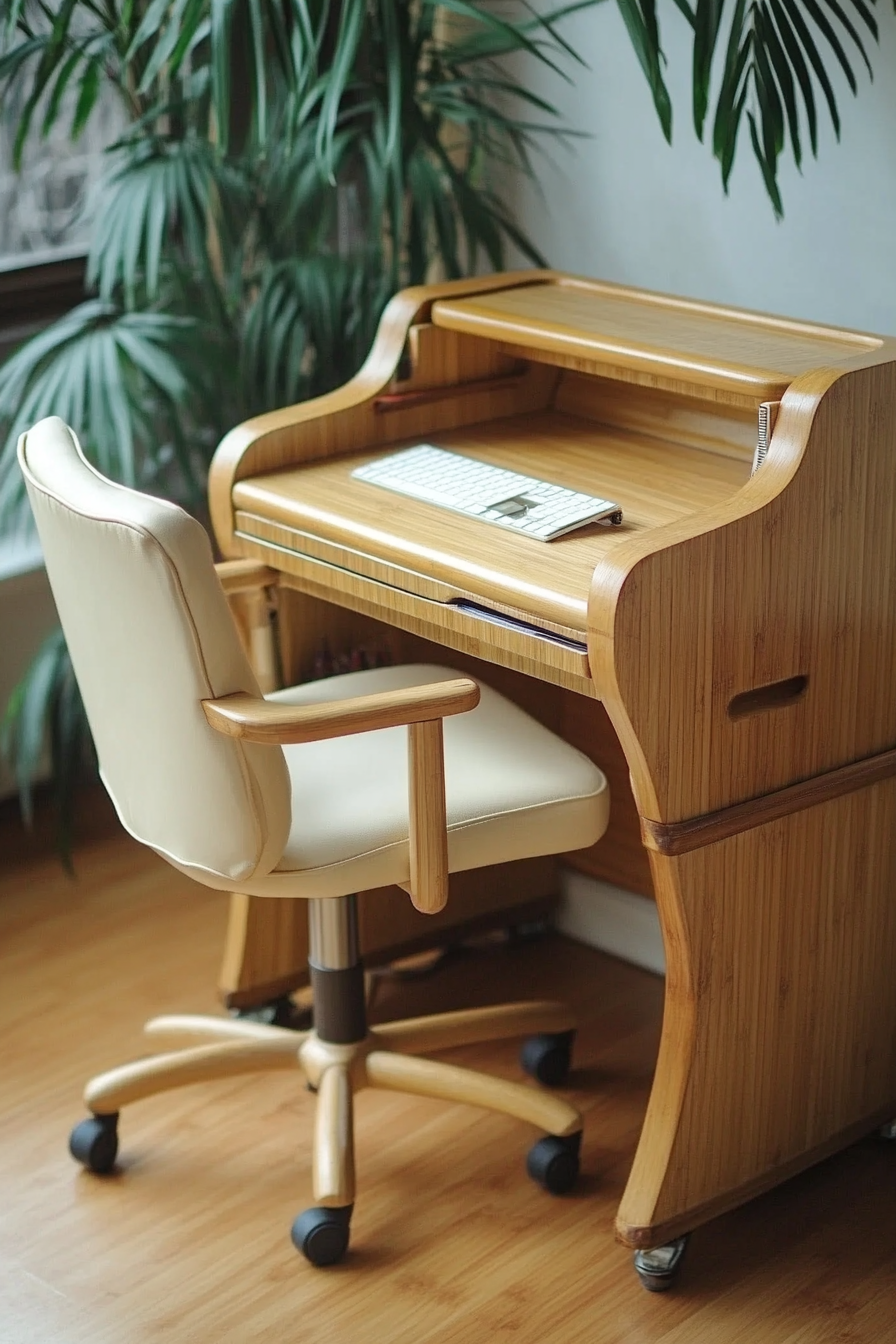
(522, 503)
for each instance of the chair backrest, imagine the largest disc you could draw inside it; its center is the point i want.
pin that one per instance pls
(150, 636)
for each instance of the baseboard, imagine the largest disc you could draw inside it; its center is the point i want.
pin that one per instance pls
(613, 920)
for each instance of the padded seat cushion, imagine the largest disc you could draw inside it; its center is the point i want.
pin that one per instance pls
(513, 790)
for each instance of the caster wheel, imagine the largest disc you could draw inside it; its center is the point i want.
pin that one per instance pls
(547, 1058)
(554, 1163)
(322, 1234)
(94, 1143)
(888, 1131)
(658, 1269)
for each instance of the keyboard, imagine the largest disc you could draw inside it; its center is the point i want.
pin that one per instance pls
(521, 503)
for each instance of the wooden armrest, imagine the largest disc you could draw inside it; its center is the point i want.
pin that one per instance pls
(243, 576)
(421, 708)
(270, 722)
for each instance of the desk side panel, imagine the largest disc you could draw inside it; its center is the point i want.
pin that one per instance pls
(778, 1045)
(780, 601)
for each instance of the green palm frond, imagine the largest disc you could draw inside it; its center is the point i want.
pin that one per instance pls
(126, 380)
(775, 69)
(53, 52)
(399, 88)
(53, 49)
(166, 60)
(162, 200)
(296, 206)
(640, 20)
(309, 328)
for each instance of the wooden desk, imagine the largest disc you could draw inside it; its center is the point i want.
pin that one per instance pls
(738, 630)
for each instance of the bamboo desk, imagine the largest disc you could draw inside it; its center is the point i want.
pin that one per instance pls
(738, 630)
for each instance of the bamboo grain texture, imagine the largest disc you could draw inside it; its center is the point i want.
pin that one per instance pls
(526, 650)
(330, 425)
(797, 982)
(703, 344)
(683, 836)
(790, 578)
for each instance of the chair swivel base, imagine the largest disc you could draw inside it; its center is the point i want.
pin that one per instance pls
(387, 1057)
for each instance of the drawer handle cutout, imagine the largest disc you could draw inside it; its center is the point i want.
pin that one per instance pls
(777, 695)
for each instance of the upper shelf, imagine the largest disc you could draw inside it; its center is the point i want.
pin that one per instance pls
(653, 335)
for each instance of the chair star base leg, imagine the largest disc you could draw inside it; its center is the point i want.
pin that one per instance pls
(132, 1082)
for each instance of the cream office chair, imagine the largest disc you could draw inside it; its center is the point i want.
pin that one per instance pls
(315, 792)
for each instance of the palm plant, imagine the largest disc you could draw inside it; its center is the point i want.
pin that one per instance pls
(285, 167)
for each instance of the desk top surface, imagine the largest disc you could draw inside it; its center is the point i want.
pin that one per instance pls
(441, 554)
(738, 352)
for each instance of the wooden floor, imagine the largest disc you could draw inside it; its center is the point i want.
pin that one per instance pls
(451, 1244)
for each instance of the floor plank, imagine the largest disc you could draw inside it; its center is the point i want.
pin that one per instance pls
(451, 1244)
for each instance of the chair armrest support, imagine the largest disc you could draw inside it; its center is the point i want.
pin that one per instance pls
(245, 576)
(428, 823)
(251, 591)
(421, 708)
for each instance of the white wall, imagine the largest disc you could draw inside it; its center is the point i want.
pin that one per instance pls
(624, 206)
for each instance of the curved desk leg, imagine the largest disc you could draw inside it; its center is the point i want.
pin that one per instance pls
(265, 951)
(778, 1045)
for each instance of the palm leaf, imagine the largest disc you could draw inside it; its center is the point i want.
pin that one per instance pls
(53, 53)
(157, 201)
(707, 19)
(640, 20)
(339, 79)
(785, 80)
(121, 378)
(771, 70)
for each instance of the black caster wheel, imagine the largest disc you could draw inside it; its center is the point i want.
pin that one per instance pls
(94, 1143)
(322, 1234)
(658, 1269)
(547, 1057)
(554, 1163)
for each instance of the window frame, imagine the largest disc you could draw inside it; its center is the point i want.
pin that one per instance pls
(34, 294)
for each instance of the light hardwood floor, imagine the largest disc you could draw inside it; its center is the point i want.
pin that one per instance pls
(451, 1244)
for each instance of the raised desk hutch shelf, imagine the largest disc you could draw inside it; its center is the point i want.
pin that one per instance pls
(729, 649)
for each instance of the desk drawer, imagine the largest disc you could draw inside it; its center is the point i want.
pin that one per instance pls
(556, 655)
